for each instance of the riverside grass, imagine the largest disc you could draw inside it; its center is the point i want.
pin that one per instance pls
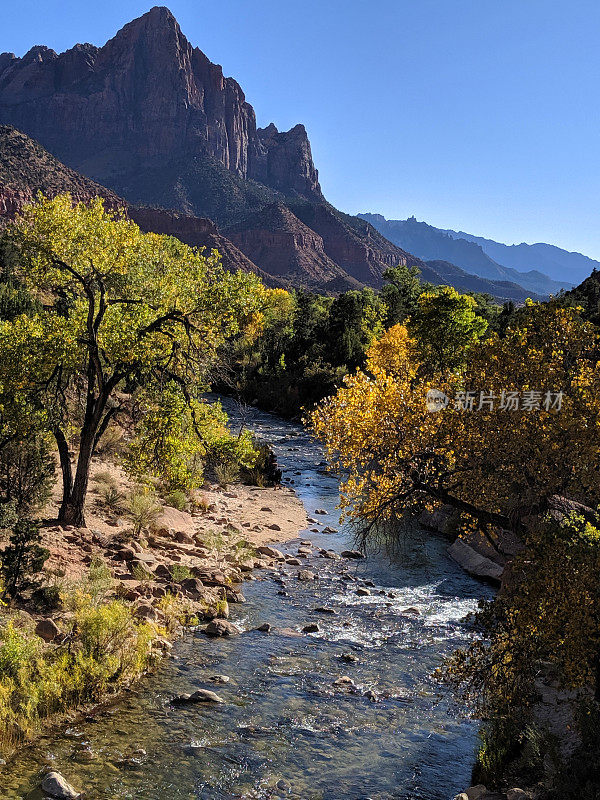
(105, 648)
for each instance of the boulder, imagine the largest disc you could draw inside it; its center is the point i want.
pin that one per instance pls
(363, 592)
(440, 519)
(474, 563)
(47, 630)
(220, 627)
(271, 552)
(312, 627)
(147, 612)
(265, 628)
(192, 586)
(234, 595)
(475, 792)
(163, 572)
(306, 575)
(199, 696)
(56, 786)
(351, 554)
(343, 681)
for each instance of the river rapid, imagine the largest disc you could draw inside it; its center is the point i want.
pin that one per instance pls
(285, 729)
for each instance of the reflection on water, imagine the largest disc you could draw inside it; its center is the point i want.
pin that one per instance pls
(286, 730)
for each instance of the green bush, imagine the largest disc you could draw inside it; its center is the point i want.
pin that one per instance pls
(177, 499)
(179, 572)
(113, 499)
(23, 557)
(26, 474)
(143, 509)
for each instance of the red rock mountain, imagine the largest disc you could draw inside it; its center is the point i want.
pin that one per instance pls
(199, 232)
(294, 254)
(150, 117)
(148, 105)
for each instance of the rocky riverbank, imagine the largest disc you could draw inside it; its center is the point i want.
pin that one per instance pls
(182, 568)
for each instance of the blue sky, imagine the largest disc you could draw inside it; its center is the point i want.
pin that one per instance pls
(480, 115)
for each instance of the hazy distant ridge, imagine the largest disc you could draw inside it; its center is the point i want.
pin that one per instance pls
(430, 243)
(559, 264)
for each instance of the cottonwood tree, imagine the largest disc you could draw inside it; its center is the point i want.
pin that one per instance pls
(500, 465)
(122, 311)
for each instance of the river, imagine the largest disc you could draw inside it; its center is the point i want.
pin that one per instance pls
(286, 730)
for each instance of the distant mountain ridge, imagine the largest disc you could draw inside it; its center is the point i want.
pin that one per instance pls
(560, 265)
(432, 243)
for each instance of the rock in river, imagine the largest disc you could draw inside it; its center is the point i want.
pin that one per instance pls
(57, 787)
(220, 627)
(264, 628)
(312, 627)
(200, 696)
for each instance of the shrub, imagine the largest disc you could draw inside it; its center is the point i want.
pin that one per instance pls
(179, 572)
(177, 499)
(265, 471)
(113, 499)
(226, 472)
(105, 649)
(201, 503)
(104, 477)
(111, 443)
(143, 509)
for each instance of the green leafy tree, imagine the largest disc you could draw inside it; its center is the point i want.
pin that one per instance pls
(23, 557)
(445, 324)
(401, 292)
(122, 311)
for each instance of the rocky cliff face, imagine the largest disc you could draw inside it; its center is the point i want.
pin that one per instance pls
(149, 100)
(275, 238)
(26, 169)
(199, 232)
(353, 244)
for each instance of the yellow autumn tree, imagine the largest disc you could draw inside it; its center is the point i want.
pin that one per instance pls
(498, 463)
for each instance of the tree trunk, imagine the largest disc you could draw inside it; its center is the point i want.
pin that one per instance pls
(65, 464)
(73, 503)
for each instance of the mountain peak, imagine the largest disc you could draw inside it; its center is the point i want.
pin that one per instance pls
(156, 17)
(147, 114)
